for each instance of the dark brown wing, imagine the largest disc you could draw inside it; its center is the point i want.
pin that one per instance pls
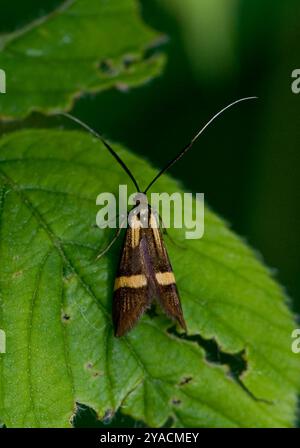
(159, 268)
(144, 273)
(131, 292)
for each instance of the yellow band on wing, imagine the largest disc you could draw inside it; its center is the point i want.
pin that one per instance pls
(165, 278)
(130, 281)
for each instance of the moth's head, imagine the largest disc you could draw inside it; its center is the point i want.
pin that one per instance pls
(141, 199)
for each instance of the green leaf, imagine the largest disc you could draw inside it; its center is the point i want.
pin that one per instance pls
(235, 367)
(79, 47)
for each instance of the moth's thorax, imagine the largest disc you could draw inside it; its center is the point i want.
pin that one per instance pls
(142, 216)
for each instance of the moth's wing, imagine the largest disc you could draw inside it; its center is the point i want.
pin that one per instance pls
(131, 293)
(145, 273)
(162, 272)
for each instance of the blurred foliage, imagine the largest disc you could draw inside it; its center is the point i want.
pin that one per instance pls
(48, 63)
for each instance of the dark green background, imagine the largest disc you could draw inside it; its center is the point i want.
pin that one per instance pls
(247, 163)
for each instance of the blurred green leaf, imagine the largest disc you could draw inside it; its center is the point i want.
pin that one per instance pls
(211, 55)
(79, 47)
(234, 368)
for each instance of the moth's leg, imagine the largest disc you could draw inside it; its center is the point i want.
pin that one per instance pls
(113, 240)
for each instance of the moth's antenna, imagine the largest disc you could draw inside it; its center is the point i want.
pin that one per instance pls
(187, 147)
(113, 153)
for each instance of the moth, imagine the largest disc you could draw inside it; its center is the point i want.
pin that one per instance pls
(145, 273)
